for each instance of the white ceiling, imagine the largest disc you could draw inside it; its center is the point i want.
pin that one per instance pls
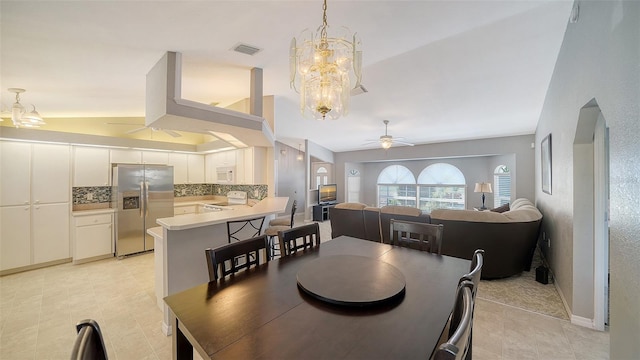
(438, 70)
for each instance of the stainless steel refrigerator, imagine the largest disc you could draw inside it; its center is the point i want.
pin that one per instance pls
(141, 194)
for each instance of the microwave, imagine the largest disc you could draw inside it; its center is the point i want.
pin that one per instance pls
(225, 174)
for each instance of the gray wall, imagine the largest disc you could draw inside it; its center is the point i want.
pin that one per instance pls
(599, 59)
(475, 158)
(290, 176)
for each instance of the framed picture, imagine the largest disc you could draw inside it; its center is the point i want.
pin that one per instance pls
(545, 147)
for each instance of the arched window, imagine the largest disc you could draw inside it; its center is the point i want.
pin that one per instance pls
(321, 176)
(441, 186)
(501, 186)
(396, 186)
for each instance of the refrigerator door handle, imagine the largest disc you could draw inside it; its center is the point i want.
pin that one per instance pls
(142, 202)
(146, 198)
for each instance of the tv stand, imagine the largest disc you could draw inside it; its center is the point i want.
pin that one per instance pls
(321, 212)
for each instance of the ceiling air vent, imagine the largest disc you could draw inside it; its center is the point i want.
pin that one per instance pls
(246, 49)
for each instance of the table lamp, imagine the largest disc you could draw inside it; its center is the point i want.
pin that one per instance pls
(483, 188)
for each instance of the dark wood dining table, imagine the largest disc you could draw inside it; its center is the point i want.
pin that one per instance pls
(262, 314)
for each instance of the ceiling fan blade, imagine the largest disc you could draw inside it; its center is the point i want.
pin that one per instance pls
(402, 142)
(135, 130)
(172, 133)
(117, 123)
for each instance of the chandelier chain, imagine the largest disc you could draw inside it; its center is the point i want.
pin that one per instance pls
(323, 32)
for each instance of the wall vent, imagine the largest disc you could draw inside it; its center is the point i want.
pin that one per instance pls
(246, 49)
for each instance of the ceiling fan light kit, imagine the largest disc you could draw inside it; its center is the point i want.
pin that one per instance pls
(325, 65)
(387, 141)
(20, 117)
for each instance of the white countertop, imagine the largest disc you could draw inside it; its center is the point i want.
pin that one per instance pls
(267, 206)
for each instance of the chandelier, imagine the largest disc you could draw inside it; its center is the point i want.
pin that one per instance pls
(19, 115)
(326, 66)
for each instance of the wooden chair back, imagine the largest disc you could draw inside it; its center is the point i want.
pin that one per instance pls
(458, 345)
(89, 344)
(419, 236)
(299, 238)
(231, 258)
(475, 272)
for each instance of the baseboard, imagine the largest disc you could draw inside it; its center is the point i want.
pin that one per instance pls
(575, 319)
(166, 329)
(34, 266)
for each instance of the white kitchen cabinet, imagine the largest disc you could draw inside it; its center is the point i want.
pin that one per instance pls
(50, 232)
(126, 156)
(180, 163)
(15, 168)
(91, 166)
(155, 157)
(251, 169)
(50, 174)
(195, 169)
(92, 237)
(15, 236)
(210, 168)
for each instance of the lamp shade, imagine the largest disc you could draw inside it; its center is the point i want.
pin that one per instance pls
(483, 188)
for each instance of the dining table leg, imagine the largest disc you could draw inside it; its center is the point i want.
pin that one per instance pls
(182, 348)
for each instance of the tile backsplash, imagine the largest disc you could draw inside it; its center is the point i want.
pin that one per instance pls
(102, 194)
(91, 195)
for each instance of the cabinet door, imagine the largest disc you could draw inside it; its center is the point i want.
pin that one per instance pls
(122, 156)
(50, 174)
(91, 166)
(210, 168)
(15, 168)
(15, 239)
(155, 157)
(180, 168)
(93, 240)
(195, 168)
(50, 232)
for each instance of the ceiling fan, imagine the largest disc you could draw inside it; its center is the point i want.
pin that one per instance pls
(153, 129)
(386, 140)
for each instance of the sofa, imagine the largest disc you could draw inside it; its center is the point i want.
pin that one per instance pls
(508, 239)
(370, 223)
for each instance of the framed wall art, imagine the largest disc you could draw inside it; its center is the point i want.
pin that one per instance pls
(545, 147)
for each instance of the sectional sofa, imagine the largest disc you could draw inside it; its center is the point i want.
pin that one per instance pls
(508, 238)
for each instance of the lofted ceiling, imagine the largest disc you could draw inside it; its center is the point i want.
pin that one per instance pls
(438, 70)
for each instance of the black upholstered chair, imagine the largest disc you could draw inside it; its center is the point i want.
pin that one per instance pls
(458, 345)
(279, 224)
(89, 344)
(231, 258)
(299, 238)
(419, 236)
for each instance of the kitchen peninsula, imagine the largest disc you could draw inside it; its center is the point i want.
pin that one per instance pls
(180, 242)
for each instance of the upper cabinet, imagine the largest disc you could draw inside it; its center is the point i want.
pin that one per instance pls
(15, 168)
(125, 156)
(91, 166)
(155, 157)
(187, 168)
(50, 174)
(220, 159)
(251, 169)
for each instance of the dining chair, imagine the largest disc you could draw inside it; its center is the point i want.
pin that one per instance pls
(458, 345)
(238, 230)
(224, 260)
(419, 236)
(285, 220)
(279, 224)
(299, 238)
(475, 272)
(89, 344)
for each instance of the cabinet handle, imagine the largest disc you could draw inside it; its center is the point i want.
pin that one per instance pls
(37, 201)
(26, 203)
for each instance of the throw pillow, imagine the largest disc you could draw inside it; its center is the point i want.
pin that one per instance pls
(501, 209)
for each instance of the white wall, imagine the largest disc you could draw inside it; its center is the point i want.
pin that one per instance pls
(291, 172)
(599, 59)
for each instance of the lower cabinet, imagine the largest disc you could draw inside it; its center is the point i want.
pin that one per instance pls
(15, 236)
(33, 234)
(93, 237)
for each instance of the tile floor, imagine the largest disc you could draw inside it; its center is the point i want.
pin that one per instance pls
(39, 308)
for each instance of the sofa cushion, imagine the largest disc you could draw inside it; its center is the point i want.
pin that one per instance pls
(400, 210)
(351, 206)
(501, 209)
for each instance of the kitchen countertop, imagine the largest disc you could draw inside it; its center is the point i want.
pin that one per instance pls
(267, 206)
